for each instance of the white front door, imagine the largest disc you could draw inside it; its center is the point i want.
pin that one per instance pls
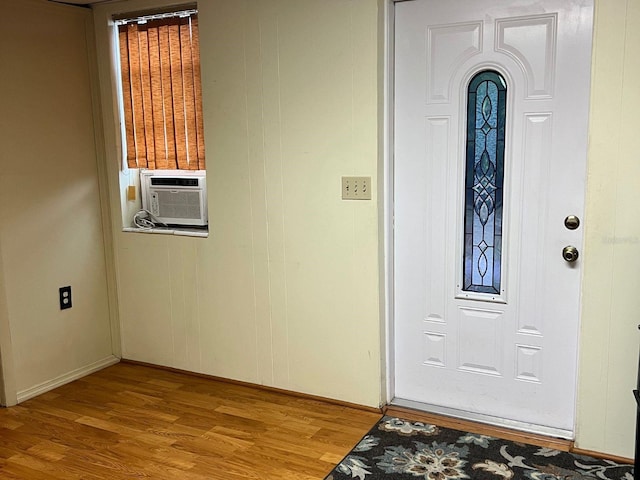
(490, 138)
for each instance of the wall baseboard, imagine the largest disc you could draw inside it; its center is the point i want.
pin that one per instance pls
(66, 378)
(603, 456)
(290, 393)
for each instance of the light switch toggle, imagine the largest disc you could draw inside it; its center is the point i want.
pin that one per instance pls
(356, 188)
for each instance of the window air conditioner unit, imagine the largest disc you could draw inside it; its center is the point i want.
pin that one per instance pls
(175, 197)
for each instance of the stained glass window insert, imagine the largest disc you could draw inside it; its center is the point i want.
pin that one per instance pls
(484, 181)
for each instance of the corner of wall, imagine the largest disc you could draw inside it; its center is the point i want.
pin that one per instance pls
(103, 182)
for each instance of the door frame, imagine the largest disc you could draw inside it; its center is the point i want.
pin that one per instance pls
(387, 195)
(386, 189)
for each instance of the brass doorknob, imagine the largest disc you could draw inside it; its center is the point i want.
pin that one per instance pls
(570, 253)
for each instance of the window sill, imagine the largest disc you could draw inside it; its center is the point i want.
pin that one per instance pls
(183, 232)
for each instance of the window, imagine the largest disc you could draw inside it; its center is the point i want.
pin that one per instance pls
(161, 91)
(484, 180)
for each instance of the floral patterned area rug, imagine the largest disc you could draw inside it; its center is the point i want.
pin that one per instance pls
(400, 449)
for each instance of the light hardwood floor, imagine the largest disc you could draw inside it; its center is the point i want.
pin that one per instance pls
(135, 421)
(132, 421)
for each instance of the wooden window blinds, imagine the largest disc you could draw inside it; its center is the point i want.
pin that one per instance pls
(162, 94)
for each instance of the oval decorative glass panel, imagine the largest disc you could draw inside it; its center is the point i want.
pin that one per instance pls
(484, 181)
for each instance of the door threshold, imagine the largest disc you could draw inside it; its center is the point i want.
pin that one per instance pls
(541, 435)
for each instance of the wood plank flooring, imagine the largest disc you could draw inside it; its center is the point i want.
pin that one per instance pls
(135, 421)
(132, 421)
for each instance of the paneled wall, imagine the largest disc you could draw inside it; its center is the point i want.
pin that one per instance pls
(284, 291)
(611, 304)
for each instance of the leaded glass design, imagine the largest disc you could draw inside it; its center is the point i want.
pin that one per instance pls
(484, 180)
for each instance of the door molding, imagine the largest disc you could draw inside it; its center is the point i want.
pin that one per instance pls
(386, 194)
(388, 383)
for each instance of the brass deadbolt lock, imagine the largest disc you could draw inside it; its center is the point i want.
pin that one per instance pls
(570, 254)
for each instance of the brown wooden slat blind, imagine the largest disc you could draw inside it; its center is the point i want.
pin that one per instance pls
(162, 95)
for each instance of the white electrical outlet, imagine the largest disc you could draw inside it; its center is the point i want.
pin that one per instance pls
(356, 188)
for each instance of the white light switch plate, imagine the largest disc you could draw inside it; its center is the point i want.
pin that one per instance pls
(356, 188)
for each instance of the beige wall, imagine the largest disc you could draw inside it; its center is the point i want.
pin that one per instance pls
(284, 291)
(609, 341)
(50, 217)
